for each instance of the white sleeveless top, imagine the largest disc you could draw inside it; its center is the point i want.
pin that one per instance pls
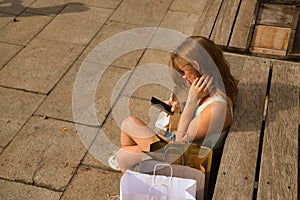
(213, 140)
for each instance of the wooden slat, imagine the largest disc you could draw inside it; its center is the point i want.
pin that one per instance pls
(276, 15)
(271, 37)
(267, 51)
(296, 46)
(207, 18)
(236, 62)
(278, 175)
(224, 23)
(295, 35)
(282, 1)
(243, 26)
(237, 169)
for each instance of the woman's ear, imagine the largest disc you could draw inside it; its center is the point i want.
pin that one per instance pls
(196, 64)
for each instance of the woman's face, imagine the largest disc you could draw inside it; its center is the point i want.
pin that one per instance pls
(188, 72)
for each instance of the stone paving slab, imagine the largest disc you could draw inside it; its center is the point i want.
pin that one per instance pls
(108, 30)
(180, 21)
(93, 183)
(53, 7)
(106, 143)
(40, 65)
(155, 56)
(59, 102)
(5, 19)
(13, 190)
(76, 24)
(8, 51)
(103, 147)
(189, 6)
(157, 81)
(14, 6)
(22, 31)
(47, 7)
(16, 108)
(142, 12)
(99, 3)
(46, 152)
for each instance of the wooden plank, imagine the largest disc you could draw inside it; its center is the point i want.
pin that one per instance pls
(291, 42)
(279, 165)
(243, 26)
(276, 15)
(267, 51)
(236, 62)
(282, 1)
(237, 169)
(271, 37)
(294, 38)
(207, 18)
(222, 29)
(296, 46)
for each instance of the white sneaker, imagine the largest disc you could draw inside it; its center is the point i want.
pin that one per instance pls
(113, 163)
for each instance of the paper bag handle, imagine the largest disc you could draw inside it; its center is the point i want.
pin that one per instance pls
(175, 148)
(160, 185)
(165, 186)
(162, 164)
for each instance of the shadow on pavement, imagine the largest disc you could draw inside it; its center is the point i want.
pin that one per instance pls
(7, 6)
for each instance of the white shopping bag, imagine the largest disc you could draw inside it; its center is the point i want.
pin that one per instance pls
(138, 186)
(162, 121)
(179, 171)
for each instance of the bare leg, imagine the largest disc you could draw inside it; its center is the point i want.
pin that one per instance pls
(135, 138)
(128, 157)
(136, 132)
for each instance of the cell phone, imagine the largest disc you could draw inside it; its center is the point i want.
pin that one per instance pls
(162, 105)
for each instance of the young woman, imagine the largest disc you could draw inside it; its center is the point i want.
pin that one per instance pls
(207, 113)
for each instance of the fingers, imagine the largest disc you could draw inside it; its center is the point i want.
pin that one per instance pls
(202, 86)
(200, 81)
(174, 106)
(195, 82)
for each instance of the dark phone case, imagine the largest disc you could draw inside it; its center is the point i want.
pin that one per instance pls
(161, 105)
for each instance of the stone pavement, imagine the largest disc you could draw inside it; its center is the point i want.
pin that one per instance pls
(43, 44)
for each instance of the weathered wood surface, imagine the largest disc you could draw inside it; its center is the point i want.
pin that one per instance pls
(207, 20)
(267, 51)
(276, 15)
(238, 166)
(243, 26)
(225, 21)
(270, 37)
(281, 1)
(296, 45)
(260, 27)
(279, 165)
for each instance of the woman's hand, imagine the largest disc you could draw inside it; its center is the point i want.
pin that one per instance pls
(175, 106)
(201, 88)
(181, 136)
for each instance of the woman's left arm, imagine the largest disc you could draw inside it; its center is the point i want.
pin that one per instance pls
(199, 89)
(215, 118)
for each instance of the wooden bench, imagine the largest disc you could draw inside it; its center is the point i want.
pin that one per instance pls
(260, 27)
(260, 156)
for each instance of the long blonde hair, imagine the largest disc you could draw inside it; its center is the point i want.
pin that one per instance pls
(212, 62)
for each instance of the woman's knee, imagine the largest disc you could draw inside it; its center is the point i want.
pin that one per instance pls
(130, 122)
